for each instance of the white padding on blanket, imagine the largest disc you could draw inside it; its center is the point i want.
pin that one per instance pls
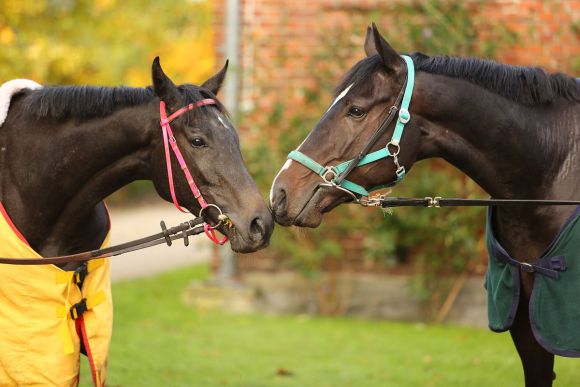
(8, 89)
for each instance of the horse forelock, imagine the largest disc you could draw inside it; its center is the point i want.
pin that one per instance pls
(359, 73)
(193, 94)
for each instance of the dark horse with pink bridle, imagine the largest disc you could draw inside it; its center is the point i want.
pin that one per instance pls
(82, 143)
(63, 150)
(513, 130)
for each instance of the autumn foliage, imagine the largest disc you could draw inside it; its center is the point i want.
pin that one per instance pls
(105, 42)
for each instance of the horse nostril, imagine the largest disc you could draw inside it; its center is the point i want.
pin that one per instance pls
(280, 202)
(257, 229)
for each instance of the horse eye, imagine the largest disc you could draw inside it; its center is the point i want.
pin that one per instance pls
(198, 143)
(356, 112)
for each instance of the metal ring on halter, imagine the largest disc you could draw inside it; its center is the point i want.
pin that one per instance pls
(219, 223)
(331, 183)
(326, 171)
(397, 147)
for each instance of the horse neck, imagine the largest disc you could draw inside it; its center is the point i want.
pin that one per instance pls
(71, 166)
(509, 149)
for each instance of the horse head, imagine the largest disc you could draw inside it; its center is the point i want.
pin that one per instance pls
(209, 148)
(367, 107)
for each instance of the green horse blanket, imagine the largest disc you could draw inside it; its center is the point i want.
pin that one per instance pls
(555, 301)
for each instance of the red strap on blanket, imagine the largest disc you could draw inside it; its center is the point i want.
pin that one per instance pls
(82, 332)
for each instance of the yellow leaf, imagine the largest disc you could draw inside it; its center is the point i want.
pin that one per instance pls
(7, 35)
(103, 5)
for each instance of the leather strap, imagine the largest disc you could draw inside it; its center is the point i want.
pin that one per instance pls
(390, 202)
(193, 227)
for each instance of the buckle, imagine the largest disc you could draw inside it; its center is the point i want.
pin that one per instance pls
(80, 274)
(400, 172)
(527, 267)
(404, 116)
(433, 202)
(78, 309)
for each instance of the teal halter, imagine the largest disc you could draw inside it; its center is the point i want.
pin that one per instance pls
(335, 175)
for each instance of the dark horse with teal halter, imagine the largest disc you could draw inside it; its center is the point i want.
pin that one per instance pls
(513, 130)
(335, 176)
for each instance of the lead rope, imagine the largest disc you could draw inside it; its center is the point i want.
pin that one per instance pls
(169, 139)
(438, 201)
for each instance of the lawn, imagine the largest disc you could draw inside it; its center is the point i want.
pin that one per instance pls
(158, 341)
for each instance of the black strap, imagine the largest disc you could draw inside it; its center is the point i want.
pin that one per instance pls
(388, 202)
(550, 266)
(80, 274)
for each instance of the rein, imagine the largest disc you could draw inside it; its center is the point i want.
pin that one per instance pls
(169, 140)
(167, 235)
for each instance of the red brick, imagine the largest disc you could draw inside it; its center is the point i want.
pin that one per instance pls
(282, 39)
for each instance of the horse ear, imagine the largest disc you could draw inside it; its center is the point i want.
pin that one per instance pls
(164, 88)
(391, 58)
(370, 48)
(214, 84)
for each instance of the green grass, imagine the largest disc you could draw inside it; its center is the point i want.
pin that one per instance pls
(157, 341)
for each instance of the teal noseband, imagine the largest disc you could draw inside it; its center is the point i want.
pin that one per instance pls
(335, 175)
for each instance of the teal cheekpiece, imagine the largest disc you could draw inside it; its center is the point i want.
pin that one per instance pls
(554, 304)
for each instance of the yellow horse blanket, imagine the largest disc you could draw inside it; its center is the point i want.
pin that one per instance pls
(46, 319)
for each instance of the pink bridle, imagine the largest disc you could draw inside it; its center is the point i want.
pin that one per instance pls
(169, 138)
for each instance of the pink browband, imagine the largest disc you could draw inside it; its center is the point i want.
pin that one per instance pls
(169, 138)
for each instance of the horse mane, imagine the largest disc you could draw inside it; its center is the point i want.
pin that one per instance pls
(86, 102)
(524, 85)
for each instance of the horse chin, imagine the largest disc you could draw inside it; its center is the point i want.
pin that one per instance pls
(240, 239)
(241, 245)
(319, 202)
(312, 214)
(310, 219)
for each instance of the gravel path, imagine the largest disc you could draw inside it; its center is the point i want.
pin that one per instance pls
(137, 222)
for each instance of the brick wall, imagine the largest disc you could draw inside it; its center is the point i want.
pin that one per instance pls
(280, 40)
(549, 32)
